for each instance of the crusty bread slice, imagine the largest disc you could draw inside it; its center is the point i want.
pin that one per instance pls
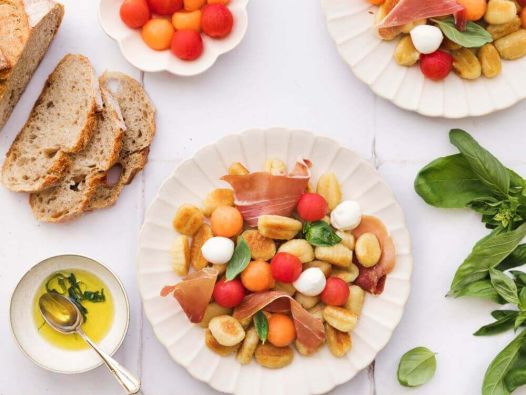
(71, 197)
(139, 117)
(44, 18)
(61, 123)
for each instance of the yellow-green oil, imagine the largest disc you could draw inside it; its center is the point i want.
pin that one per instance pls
(99, 317)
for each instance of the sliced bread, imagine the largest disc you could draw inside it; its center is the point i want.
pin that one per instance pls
(139, 116)
(71, 197)
(60, 124)
(27, 28)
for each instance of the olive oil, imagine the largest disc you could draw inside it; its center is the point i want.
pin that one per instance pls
(99, 316)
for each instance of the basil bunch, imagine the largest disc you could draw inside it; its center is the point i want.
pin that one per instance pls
(476, 179)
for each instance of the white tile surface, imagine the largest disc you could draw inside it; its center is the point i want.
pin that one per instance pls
(286, 72)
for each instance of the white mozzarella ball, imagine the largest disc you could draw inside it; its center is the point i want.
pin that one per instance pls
(218, 250)
(311, 282)
(347, 215)
(426, 38)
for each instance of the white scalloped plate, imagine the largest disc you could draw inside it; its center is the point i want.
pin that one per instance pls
(351, 25)
(144, 58)
(190, 183)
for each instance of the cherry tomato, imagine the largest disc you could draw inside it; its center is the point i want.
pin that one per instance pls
(188, 45)
(285, 267)
(336, 292)
(312, 207)
(226, 221)
(224, 2)
(281, 330)
(257, 276)
(217, 20)
(437, 65)
(229, 293)
(135, 13)
(158, 33)
(165, 7)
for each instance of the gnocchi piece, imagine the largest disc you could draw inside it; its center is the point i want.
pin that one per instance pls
(490, 62)
(339, 343)
(221, 269)
(213, 310)
(273, 357)
(197, 259)
(248, 347)
(278, 227)
(246, 322)
(300, 248)
(188, 219)
(513, 46)
(340, 318)
(338, 255)
(368, 250)
(349, 274)
(226, 330)
(325, 267)
(329, 188)
(466, 64)
(356, 298)
(348, 239)
(504, 29)
(216, 198)
(181, 255)
(261, 247)
(405, 53)
(237, 169)
(500, 11)
(317, 311)
(306, 301)
(410, 26)
(285, 287)
(275, 167)
(449, 45)
(214, 345)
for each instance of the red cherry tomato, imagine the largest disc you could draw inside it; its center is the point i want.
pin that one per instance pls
(437, 65)
(312, 207)
(229, 293)
(135, 13)
(285, 267)
(217, 20)
(188, 45)
(165, 7)
(336, 292)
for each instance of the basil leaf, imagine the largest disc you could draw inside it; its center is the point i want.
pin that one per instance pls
(474, 36)
(320, 234)
(449, 182)
(516, 258)
(520, 320)
(504, 322)
(516, 377)
(417, 367)
(239, 260)
(504, 285)
(261, 324)
(487, 168)
(500, 366)
(487, 253)
(498, 314)
(522, 298)
(481, 289)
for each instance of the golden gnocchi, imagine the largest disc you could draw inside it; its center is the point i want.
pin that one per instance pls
(217, 198)
(278, 227)
(338, 255)
(188, 219)
(300, 248)
(181, 255)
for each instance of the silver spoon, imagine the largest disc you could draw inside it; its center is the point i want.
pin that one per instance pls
(63, 315)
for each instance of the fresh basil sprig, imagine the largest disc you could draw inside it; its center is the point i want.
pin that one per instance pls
(416, 367)
(504, 320)
(239, 260)
(261, 324)
(320, 234)
(474, 36)
(504, 286)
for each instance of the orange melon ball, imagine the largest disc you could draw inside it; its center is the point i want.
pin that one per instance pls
(475, 9)
(226, 221)
(192, 5)
(187, 20)
(281, 330)
(158, 33)
(257, 276)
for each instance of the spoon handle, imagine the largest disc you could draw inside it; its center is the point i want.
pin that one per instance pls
(123, 375)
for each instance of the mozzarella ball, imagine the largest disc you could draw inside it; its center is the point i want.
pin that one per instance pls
(347, 215)
(218, 250)
(311, 282)
(426, 38)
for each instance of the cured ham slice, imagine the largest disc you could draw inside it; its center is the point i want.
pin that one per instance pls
(407, 11)
(262, 193)
(309, 329)
(194, 293)
(372, 279)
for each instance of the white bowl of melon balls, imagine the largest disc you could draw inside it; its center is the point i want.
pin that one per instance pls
(183, 37)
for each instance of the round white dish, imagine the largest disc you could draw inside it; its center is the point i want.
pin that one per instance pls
(146, 59)
(38, 349)
(190, 183)
(351, 25)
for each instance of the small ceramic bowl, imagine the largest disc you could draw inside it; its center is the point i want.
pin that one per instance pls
(38, 349)
(146, 59)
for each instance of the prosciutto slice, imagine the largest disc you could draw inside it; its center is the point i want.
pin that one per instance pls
(194, 293)
(372, 279)
(407, 11)
(262, 193)
(309, 329)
